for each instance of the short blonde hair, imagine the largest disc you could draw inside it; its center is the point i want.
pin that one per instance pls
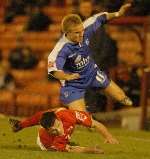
(70, 21)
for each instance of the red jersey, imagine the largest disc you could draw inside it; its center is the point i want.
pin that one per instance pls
(69, 119)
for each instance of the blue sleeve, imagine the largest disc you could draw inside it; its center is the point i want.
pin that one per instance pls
(93, 23)
(57, 59)
(60, 61)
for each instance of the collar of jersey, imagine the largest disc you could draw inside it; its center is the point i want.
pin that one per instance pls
(68, 41)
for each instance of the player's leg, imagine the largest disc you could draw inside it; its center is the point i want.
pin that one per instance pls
(73, 98)
(78, 104)
(117, 93)
(110, 88)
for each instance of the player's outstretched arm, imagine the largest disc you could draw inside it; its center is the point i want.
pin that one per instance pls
(118, 94)
(122, 11)
(61, 75)
(104, 132)
(18, 125)
(79, 149)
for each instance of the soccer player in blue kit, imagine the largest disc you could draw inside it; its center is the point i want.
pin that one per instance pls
(70, 62)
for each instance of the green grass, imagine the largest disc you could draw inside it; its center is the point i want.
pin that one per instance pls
(22, 145)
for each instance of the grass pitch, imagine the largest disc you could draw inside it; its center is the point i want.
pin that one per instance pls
(22, 145)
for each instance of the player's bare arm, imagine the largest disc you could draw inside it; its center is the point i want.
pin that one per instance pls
(122, 11)
(117, 93)
(104, 132)
(61, 75)
(79, 149)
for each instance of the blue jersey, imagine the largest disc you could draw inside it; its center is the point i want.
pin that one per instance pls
(76, 57)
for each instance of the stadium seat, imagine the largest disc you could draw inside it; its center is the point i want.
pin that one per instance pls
(29, 103)
(44, 87)
(7, 102)
(57, 13)
(54, 101)
(24, 77)
(41, 36)
(20, 20)
(2, 28)
(55, 28)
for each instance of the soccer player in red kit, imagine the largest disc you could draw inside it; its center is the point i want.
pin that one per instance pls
(57, 127)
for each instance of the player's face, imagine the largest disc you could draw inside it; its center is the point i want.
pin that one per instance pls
(56, 129)
(76, 33)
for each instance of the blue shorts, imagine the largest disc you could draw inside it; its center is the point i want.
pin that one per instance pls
(71, 93)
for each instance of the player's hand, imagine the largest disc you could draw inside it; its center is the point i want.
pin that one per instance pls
(111, 140)
(124, 9)
(72, 76)
(15, 125)
(98, 150)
